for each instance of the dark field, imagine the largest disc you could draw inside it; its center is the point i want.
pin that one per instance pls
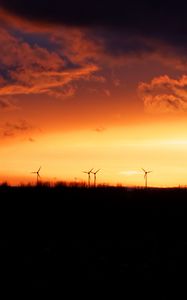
(51, 237)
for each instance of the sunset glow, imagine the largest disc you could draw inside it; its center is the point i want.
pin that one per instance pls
(77, 97)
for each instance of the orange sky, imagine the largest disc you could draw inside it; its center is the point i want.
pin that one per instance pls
(69, 105)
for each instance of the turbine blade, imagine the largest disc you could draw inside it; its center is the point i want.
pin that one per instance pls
(97, 171)
(143, 170)
(39, 169)
(91, 170)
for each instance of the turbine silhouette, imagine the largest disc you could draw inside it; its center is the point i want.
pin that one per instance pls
(88, 176)
(145, 176)
(95, 175)
(37, 175)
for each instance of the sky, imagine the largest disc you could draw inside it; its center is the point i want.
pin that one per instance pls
(93, 84)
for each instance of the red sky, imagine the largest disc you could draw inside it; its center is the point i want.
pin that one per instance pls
(76, 98)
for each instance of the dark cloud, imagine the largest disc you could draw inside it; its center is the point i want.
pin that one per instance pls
(161, 20)
(116, 43)
(158, 17)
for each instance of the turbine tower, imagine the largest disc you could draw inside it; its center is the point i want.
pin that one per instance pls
(95, 175)
(37, 175)
(89, 172)
(145, 176)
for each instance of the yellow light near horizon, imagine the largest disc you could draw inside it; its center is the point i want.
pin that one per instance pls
(64, 156)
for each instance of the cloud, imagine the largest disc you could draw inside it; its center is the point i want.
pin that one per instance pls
(28, 68)
(164, 94)
(44, 82)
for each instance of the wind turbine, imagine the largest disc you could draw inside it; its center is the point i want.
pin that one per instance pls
(88, 176)
(145, 176)
(37, 175)
(95, 175)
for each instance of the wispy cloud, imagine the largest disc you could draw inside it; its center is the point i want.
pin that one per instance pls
(164, 94)
(11, 129)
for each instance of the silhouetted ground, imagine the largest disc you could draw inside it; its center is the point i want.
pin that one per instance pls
(51, 237)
